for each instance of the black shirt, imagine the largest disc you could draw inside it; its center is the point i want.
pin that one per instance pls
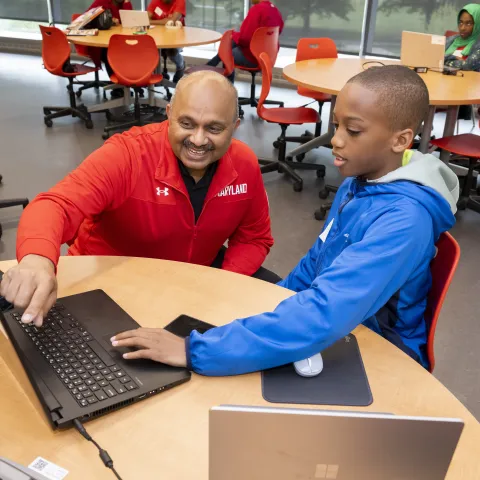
(197, 191)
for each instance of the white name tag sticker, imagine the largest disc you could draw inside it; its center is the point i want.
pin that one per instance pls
(438, 40)
(48, 469)
(158, 11)
(323, 236)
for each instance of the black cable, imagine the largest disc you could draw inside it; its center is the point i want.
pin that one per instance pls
(104, 456)
(372, 61)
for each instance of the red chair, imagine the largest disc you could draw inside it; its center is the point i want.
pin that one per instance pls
(265, 39)
(133, 59)
(284, 117)
(464, 147)
(225, 54)
(312, 49)
(450, 33)
(94, 54)
(56, 58)
(443, 268)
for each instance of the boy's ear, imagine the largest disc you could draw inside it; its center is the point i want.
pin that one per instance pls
(403, 140)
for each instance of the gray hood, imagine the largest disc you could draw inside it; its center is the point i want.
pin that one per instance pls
(427, 170)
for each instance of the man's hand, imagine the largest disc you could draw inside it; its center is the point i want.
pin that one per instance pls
(116, 21)
(31, 285)
(154, 343)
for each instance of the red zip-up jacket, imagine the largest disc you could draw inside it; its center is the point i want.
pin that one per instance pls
(129, 198)
(263, 14)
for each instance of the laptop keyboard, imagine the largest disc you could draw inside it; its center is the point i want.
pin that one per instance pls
(88, 372)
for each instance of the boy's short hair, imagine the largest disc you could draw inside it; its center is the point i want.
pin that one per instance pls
(402, 94)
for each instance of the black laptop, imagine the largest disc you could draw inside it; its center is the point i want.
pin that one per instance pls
(75, 371)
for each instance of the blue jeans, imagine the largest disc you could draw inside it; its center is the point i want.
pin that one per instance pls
(175, 55)
(238, 57)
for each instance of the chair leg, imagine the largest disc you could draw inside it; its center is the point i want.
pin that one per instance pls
(14, 202)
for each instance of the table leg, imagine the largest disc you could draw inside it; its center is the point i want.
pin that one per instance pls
(427, 130)
(319, 141)
(449, 129)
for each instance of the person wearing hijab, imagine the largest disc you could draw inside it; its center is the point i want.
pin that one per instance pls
(463, 50)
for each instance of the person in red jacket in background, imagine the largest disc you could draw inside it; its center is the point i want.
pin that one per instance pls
(161, 12)
(114, 6)
(176, 190)
(262, 14)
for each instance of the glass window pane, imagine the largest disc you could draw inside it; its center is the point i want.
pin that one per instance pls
(219, 15)
(63, 9)
(425, 16)
(340, 20)
(24, 10)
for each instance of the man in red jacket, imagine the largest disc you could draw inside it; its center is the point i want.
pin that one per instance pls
(262, 14)
(177, 191)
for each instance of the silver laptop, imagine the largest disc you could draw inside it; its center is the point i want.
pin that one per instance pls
(422, 50)
(258, 443)
(134, 18)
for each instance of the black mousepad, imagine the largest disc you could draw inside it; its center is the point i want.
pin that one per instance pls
(343, 380)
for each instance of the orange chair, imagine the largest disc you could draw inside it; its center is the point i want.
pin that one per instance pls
(94, 54)
(312, 49)
(443, 268)
(265, 39)
(56, 58)
(225, 54)
(464, 147)
(284, 117)
(133, 59)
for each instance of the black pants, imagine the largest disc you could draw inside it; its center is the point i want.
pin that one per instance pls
(261, 273)
(104, 58)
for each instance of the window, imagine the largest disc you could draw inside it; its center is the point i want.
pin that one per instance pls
(219, 15)
(63, 9)
(425, 16)
(35, 10)
(340, 20)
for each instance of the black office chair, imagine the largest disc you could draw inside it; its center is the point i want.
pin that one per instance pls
(321, 213)
(11, 202)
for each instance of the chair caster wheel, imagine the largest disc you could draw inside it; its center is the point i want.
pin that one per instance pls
(78, 93)
(300, 157)
(319, 214)
(105, 135)
(321, 174)
(323, 194)
(298, 187)
(48, 122)
(89, 124)
(276, 144)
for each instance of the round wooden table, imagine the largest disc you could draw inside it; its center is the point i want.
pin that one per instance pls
(329, 75)
(164, 37)
(166, 436)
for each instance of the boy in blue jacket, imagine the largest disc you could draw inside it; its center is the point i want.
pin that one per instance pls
(371, 263)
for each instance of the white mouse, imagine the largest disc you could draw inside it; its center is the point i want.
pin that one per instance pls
(310, 367)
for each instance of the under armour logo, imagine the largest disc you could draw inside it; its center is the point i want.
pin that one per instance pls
(164, 191)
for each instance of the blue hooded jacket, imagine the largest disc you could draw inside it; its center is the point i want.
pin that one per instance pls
(370, 265)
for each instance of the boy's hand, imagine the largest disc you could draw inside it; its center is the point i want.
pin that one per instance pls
(153, 343)
(31, 285)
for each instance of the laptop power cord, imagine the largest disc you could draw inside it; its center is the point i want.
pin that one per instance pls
(104, 456)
